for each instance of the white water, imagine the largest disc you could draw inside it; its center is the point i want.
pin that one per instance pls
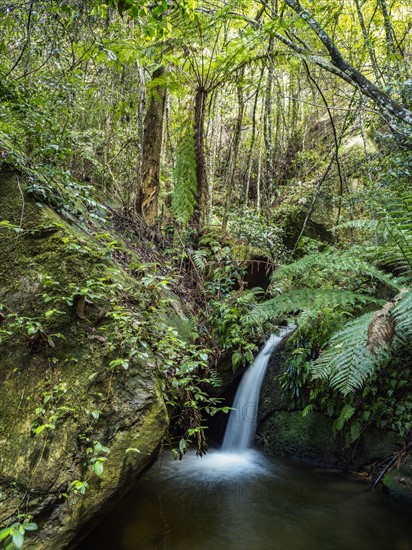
(241, 427)
(241, 500)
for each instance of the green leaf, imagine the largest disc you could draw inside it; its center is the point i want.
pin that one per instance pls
(346, 414)
(98, 468)
(237, 359)
(30, 526)
(18, 539)
(39, 429)
(4, 533)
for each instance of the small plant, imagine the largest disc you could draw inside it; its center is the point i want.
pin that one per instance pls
(96, 457)
(78, 487)
(13, 537)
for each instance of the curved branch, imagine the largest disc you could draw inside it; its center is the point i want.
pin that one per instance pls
(340, 67)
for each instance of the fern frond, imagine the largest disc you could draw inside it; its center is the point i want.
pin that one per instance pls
(306, 299)
(364, 344)
(249, 296)
(199, 258)
(402, 314)
(399, 252)
(347, 362)
(334, 262)
(370, 226)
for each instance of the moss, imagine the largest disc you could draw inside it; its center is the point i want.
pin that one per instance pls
(131, 411)
(309, 437)
(398, 483)
(284, 431)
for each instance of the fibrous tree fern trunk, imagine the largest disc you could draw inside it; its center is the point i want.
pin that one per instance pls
(235, 149)
(200, 212)
(148, 189)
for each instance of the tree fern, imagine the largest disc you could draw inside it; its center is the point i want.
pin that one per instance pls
(348, 362)
(402, 314)
(393, 229)
(184, 177)
(365, 344)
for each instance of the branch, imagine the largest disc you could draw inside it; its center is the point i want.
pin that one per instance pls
(340, 67)
(26, 43)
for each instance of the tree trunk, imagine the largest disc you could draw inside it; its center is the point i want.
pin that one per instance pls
(235, 148)
(393, 53)
(148, 190)
(249, 163)
(268, 125)
(368, 45)
(200, 213)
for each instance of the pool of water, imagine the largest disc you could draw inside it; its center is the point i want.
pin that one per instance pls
(244, 501)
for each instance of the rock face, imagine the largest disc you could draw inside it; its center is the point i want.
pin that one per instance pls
(282, 430)
(68, 406)
(398, 482)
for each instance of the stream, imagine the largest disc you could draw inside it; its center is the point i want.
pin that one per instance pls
(229, 501)
(237, 499)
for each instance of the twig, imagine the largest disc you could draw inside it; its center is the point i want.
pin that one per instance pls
(383, 472)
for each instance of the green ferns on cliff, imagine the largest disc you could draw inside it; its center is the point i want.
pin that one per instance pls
(341, 282)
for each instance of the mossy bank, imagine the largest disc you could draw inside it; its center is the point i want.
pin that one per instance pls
(82, 413)
(285, 428)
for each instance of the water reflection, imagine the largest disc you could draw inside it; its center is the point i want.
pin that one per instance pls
(244, 501)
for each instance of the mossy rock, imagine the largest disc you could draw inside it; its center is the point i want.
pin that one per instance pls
(60, 378)
(283, 429)
(398, 482)
(309, 437)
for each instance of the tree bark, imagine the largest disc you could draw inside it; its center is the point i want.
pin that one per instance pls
(148, 190)
(202, 195)
(340, 67)
(235, 148)
(368, 45)
(268, 124)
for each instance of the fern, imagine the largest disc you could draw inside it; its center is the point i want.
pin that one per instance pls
(350, 358)
(334, 262)
(307, 300)
(184, 177)
(393, 229)
(347, 362)
(402, 314)
(345, 414)
(249, 296)
(200, 259)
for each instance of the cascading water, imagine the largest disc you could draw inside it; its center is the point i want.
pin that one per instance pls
(238, 499)
(241, 426)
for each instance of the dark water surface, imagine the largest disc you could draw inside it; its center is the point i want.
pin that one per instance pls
(229, 501)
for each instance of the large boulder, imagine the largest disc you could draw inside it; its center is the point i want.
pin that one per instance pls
(283, 429)
(78, 421)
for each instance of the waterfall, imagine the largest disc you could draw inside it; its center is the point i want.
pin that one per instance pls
(241, 427)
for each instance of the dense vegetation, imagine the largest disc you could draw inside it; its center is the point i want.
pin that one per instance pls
(230, 140)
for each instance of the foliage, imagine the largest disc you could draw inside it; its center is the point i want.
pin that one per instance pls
(185, 378)
(259, 234)
(184, 179)
(13, 537)
(74, 90)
